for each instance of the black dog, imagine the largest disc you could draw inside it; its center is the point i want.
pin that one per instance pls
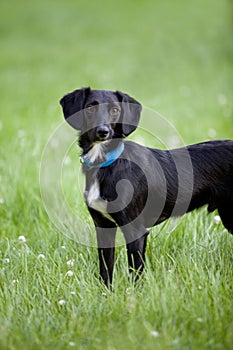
(135, 187)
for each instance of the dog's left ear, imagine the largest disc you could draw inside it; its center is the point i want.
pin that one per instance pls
(72, 105)
(131, 110)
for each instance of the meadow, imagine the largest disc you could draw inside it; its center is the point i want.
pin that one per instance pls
(175, 57)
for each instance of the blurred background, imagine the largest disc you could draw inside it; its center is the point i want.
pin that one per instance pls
(173, 56)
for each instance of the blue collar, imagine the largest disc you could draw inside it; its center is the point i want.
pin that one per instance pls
(110, 158)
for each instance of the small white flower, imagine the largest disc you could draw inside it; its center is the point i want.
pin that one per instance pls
(1, 200)
(104, 294)
(63, 247)
(154, 333)
(217, 219)
(71, 343)
(6, 260)
(72, 293)
(15, 282)
(69, 273)
(199, 287)
(61, 302)
(41, 257)
(22, 239)
(70, 262)
(199, 319)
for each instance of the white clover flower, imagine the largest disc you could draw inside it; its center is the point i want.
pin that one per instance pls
(61, 302)
(15, 282)
(72, 293)
(70, 262)
(22, 239)
(69, 273)
(154, 333)
(217, 219)
(6, 261)
(71, 343)
(41, 257)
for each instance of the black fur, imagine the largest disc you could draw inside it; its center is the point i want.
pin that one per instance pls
(162, 183)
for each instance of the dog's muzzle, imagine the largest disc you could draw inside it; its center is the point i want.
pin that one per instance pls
(102, 132)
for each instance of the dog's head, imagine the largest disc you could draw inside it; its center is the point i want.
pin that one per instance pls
(101, 115)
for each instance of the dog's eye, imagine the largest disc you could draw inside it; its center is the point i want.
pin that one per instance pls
(91, 109)
(114, 110)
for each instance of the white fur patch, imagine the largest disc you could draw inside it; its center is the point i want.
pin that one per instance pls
(95, 201)
(97, 151)
(93, 198)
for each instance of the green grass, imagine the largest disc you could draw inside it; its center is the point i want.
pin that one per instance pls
(174, 57)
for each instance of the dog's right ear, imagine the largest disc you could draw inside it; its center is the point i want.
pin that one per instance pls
(131, 110)
(72, 105)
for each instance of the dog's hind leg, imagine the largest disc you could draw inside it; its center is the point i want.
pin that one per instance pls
(136, 254)
(225, 210)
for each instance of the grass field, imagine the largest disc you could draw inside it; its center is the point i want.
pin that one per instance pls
(174, 57)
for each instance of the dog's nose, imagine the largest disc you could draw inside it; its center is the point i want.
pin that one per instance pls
(102, 132)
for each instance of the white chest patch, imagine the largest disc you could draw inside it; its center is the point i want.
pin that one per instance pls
(94, 200)
(97, 151)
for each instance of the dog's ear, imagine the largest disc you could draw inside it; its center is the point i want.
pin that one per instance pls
(131, 110)
(72, 105)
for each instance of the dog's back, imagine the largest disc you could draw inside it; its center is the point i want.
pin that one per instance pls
(197, 175)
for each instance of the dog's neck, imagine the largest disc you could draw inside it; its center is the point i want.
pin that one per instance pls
(101, 154)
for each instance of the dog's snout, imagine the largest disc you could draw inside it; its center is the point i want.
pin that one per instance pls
(102, 132)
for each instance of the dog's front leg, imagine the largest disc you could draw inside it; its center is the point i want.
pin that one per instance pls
(106, 233)
(106, 250)
(136, 254)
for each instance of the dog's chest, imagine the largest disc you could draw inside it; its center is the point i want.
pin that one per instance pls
(93, 198)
